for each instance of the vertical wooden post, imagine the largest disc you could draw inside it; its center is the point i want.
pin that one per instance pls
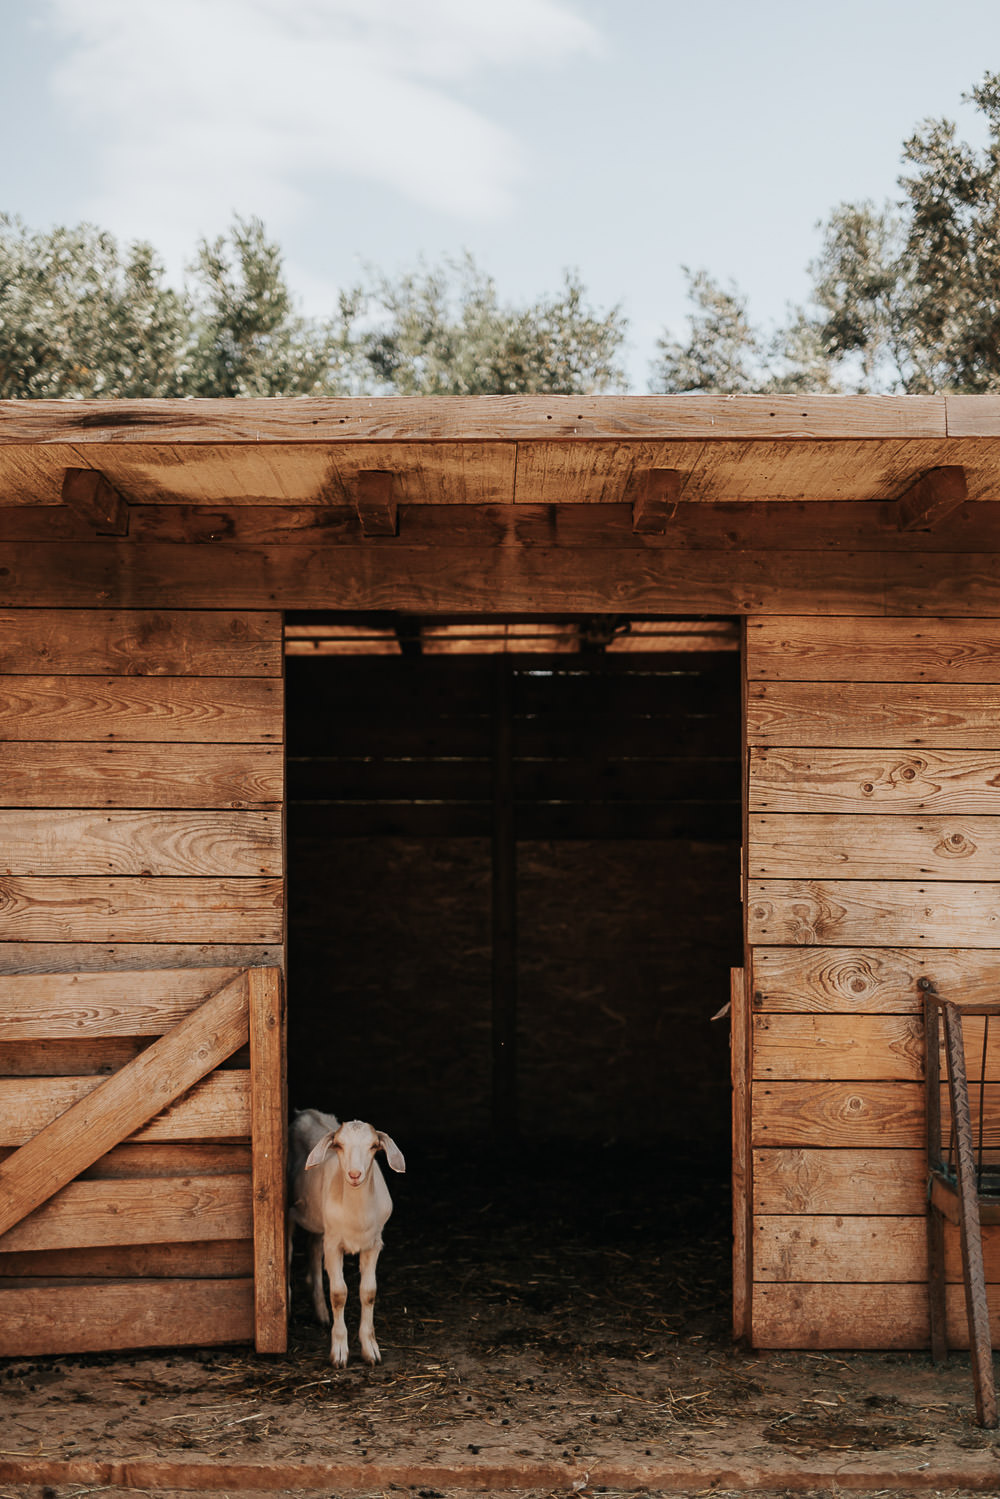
(268, 1116)
(739, 1040)
(504, 889)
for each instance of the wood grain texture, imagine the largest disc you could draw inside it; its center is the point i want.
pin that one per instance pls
(216, 1108)
(863, 1181)
(877, 846)
(834, 780)
(192, 1158)
(936, 495)
(269, 1104)
(137, 910)
(141, 775)
(840, 1248)
(168, 710)
(140, 642)
(857, 1316)
(162, 1211)
(68, 842)
(89, 495)
(868, 650)
(137, 1314)
(465, 418)
(877, 714)
(890, 913)
(198, 1260)
(852, 980)
(838, 1046)
(81, 1006)
(838, 1114)
(122, 1103)
(128, 957)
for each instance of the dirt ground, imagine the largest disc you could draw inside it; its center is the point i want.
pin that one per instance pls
(574, 1310)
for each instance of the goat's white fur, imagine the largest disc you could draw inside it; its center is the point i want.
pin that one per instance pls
(339, 1196)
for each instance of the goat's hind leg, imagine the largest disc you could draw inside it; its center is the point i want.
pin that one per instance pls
(314, 1279)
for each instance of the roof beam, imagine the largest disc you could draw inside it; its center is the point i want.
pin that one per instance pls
(932, 498)
(377, 511)
(655, 495)
(89, 495)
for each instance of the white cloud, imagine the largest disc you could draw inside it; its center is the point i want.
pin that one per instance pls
(199, 108)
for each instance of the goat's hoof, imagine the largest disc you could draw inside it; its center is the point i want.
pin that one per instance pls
(338, 1355)
(371, 1354)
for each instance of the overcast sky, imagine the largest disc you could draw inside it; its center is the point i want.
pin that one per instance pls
(623, 138)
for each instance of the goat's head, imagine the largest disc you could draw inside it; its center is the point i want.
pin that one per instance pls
(356, 1145)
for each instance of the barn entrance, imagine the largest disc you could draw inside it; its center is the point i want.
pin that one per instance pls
(513, 907)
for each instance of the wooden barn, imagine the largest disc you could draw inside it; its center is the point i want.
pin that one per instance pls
(429, 732)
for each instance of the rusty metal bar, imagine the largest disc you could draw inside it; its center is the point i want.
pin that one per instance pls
(935, 1222)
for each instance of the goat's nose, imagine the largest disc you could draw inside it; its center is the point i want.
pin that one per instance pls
(355, 1176)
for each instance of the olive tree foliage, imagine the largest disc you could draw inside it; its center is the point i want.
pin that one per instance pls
(904, 297)
(444, 331)
(82, 315)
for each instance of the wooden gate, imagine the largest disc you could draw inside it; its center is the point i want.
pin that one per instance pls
(142, 1126)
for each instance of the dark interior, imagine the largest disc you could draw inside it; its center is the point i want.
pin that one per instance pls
(603, 791)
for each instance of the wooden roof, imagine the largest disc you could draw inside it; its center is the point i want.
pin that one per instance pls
(497, 450)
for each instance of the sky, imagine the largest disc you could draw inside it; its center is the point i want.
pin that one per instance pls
(621, 139)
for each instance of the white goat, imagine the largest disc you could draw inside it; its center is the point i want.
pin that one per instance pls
(339, 1196)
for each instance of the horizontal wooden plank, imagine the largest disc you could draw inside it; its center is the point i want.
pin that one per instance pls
(199, 1260)
(129, 1211)
(39, 841)
(838, 1046)
(866, 650)
(879, 980)
(845, 1248)
(96, 957)
(877, 846)
(838, 1114)
(216, 1108)
(139, 642)
(84, 1005)
(727, 525)
(465, 419)
(836, 780)
(388, 574)
(190, 1158)
(853, 1181)
(49, 909)
(167, 710)
(857, 1316)
(141, 775)
(44, 1058)
(873, 714)
(136, 1314)
(886, 913)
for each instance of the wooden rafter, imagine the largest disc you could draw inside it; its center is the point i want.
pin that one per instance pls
(932, 498)
(377, 511)
(89, 495)
(655, 495)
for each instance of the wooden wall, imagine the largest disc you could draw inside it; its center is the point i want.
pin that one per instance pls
(873, 836)
(141, 776)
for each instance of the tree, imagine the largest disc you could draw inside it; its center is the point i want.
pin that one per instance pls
(444, 331)
(904, 298)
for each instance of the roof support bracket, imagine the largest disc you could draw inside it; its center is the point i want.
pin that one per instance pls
(377, 511)
(932, 498)
(90, 496)
(654, 503)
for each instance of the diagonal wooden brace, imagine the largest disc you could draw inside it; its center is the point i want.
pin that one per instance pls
(124, 1102)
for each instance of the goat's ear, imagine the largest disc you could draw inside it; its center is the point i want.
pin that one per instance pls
(320, 1150)
(393, 1154)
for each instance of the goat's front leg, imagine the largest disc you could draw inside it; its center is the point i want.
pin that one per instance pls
(367, 1261)
(334, 1258)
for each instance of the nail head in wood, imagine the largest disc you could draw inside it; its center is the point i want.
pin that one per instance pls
(89, 495)
(377, 511)
(932, 498)
(656, 492)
